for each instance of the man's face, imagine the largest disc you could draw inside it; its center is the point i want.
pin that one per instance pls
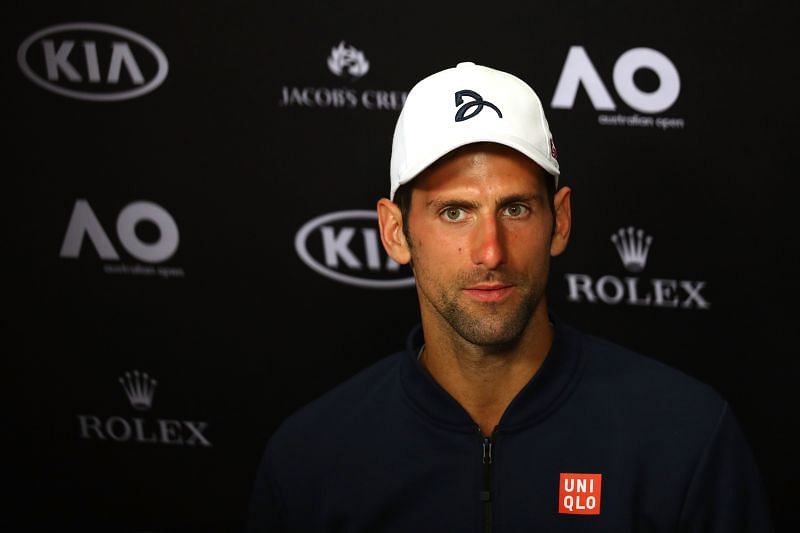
(480, 231)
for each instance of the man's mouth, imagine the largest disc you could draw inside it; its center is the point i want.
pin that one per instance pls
(488, 292)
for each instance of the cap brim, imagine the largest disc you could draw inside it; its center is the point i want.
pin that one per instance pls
(507, 140)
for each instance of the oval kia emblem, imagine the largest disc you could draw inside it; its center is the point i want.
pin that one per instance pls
(345, 246)
(92, 61)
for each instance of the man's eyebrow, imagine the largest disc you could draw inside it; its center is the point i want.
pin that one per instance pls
(441, 203)
(515, 198)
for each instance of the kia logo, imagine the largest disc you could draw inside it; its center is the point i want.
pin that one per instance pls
(346, 248)
(92, 61)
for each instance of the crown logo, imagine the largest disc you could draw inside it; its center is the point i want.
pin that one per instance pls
(140, 388)
(632, 246)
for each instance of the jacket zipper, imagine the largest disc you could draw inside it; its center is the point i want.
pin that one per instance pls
(486, 494)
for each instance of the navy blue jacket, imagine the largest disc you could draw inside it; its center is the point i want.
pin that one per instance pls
(389, 450)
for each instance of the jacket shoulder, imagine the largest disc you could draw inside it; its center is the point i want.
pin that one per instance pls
(641, 380)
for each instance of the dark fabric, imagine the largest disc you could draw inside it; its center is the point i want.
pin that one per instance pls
(390, 450)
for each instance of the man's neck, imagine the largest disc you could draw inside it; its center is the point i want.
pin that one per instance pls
(485, 380)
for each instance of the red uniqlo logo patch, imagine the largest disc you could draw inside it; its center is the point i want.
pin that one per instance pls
(579, 493)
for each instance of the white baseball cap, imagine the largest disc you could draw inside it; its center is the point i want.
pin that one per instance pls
(467, 104)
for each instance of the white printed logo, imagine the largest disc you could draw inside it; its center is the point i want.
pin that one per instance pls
(92, 61)
(580, 71)
(348, 250)
(84, 223)
(633, 247)
(139, 388)
(347, 60)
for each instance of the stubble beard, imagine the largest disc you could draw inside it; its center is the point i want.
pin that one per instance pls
(487, 324)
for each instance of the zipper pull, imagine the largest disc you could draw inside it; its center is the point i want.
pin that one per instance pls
(487, 450)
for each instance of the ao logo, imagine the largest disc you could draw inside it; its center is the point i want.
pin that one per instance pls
(347, 258)
(86, 60)
(578, 69)
(84, 222)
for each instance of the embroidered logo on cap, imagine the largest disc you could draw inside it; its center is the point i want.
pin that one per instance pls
(477, 101)
(553, 151)
(579, 493)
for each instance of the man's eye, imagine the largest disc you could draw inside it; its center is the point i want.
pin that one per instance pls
(516, 210)
(454, 213)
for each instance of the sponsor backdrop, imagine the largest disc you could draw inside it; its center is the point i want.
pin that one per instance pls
(191, 250)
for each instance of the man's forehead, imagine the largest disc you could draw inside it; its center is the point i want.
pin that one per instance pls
(482, 166)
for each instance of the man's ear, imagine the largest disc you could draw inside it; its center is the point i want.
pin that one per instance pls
(563, 220)
(390, 220)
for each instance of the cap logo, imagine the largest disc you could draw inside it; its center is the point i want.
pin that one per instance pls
(477, 101)
(553, 151)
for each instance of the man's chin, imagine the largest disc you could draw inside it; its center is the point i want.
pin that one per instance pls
(491, 334)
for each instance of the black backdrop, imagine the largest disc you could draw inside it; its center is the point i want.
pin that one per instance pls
(191, 219)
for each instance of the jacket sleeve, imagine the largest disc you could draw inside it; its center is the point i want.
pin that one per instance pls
(726, 493)
(264, 513)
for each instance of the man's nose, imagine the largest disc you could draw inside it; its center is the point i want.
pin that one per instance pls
(488, 248)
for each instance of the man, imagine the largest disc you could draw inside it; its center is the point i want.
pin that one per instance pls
(498, 416)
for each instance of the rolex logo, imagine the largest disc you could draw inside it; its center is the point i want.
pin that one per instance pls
(632, 247)
(139, 387)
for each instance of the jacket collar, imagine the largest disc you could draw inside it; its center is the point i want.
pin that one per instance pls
(543, 394)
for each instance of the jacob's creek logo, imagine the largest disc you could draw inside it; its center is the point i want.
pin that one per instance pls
(145, 230)
(139, 389)
(349, 63)
(345, 247)
(580, 71)
(579, 493)
(633, 247)
(92, 61)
